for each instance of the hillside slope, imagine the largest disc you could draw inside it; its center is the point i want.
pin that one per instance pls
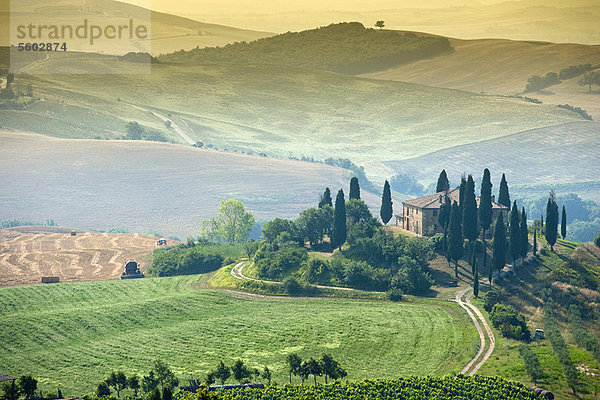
(278, 110)
(346, 47)
(142, 186)
(169, 32)
(93, 328)
(499, 66)
(528, 158)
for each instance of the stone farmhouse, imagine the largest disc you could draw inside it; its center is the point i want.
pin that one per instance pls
(420, 215)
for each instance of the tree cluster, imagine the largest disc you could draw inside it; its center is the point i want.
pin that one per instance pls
(326, 367)
(159, 377)
(193, 258)
(346, 47)
(510, 323)
(26, 386)
(134, 131)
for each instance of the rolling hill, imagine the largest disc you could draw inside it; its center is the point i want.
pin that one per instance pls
(574, 21)
(169, 32)
(142, 186)
(530, 158)
(93, 328)
(347, 47)
(281, 111)
(499, 66)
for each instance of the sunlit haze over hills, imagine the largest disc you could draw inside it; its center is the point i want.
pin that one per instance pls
(555, 21)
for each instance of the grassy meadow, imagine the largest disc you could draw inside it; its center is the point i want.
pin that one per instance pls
(72, 335)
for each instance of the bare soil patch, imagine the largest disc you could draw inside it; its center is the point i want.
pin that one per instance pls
(29, 253)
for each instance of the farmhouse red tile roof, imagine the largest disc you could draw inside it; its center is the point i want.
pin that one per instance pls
(433, 200)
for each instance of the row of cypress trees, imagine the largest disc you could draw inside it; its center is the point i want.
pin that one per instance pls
(460, 222)
(339, 231)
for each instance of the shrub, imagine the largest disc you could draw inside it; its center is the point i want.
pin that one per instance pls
(510, 323)
(200, 258)
(394, 294)
(597, 240)
(490, 299)
(292, 286)
(278, 263)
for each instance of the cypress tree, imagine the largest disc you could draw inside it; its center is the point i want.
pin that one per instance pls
(443, 185)
(514, 235)
(444, 217)
(563, 223)
(524, 234)
(455, 237)
(499, 244)
(446, 246)
(339, 221)
(475, 279)
(485, 208)
(535, 242)
(386, 204)
(461, 194)
(551, 220)
(354, 189)
(325, 199)
(469, 217)
(503, 196)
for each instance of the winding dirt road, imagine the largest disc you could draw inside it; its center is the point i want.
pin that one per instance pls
(486, 336)
(164, 119)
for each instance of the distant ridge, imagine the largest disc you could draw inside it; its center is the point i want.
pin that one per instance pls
(347, 47)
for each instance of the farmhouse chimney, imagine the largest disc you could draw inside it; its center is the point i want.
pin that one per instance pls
(441, 199)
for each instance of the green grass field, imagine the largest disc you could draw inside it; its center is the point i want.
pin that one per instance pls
(73, 335)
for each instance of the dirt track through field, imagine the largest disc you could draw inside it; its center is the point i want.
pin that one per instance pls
(28, 253)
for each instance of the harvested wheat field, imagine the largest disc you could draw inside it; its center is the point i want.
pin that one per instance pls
(28, 253)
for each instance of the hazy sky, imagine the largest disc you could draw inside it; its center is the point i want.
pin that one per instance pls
(551, 20)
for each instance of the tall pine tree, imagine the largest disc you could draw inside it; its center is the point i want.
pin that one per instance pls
(469, 217)
(354, 189)
(563, 223)
(386, 210)
(514, 233)
(443, 185)
(455, 237)
(499, 244)
(503, 196)
(524, 234)
(551, 220)
(325, 199)
(339, 221)
(534, 242)
(485, 208)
